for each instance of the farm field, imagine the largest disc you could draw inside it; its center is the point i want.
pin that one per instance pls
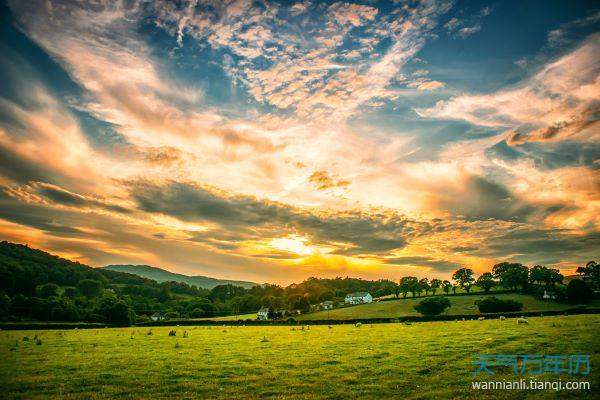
(242, 317)
(405, 307)
(417, 361)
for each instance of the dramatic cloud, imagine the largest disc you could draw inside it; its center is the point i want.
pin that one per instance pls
(272, 141)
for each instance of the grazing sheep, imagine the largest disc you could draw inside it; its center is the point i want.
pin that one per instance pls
(522, 320)
(330, 327)
(480, 318)
(358, 324)
(149, 332)
(502, 318)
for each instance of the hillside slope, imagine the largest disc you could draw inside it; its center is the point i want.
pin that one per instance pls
(161, 275)
(405, 307)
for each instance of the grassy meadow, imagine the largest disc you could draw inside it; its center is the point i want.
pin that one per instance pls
(404, 307)
(429, 360)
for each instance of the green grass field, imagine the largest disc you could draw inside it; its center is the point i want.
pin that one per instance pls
(242, 317)
(429, 360)
(405, 307)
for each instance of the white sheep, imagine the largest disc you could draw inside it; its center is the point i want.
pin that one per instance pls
(502, 318)
(522, 320)
(480, 318)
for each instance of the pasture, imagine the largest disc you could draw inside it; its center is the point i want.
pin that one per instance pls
(417, 361)
(404, 307)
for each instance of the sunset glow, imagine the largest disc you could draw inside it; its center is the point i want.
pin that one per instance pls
(273, 141)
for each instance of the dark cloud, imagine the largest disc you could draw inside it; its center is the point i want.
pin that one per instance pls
(483, 199)
(542, 246)
(438, 265)
(62, 196)
(352, 232)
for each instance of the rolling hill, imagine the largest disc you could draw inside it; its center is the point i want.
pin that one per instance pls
(161, 275)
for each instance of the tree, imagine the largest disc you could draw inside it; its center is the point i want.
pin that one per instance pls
(578, 291)
(543, 275)
(464, 278)
(511, 275)
(70, 292)
(435, 284)
(89, 287)
(408, 284)
(447, 285)
(48, 290)
(433, 305)
(424, 285)
(116, 311)
(486, 281)
(591, 274)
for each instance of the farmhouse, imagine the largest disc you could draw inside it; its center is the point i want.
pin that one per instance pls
(263, 314)
(157, 317)
(327, 305)
(358, 298)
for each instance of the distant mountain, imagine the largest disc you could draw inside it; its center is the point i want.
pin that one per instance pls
(161, 275)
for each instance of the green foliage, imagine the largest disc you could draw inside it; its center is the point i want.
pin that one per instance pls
(591, 274)
(433, 305)
(578, 291)
(511, 275)
(494, 305)
(464, 278)
(89, 287)
(486, 281)
(48, 290)
(116, 311)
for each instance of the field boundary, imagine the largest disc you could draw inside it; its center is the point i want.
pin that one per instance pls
(291, 321)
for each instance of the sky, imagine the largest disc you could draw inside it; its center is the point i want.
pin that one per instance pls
(273, 141)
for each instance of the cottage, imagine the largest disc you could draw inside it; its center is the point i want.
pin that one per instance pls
(263, 314)
(549, 295)
(157, 317)
(327, 305)
(358, 298)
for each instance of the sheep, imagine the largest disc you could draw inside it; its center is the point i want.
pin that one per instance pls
(502, 318)
(522, 320)
(172, 333)
(358, 324)
(480, 318)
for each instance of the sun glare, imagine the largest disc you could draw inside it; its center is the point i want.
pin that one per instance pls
(293, 244)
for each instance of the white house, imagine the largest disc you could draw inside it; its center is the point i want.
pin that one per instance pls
(549, 295)
(157, 317)
(263, 314)
(327, 305)
(358, 298)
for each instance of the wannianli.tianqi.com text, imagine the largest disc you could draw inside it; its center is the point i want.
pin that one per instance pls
(530, 384)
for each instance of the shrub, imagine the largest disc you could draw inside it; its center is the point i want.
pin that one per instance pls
(494, 304)
(433, 305)
(578, 291)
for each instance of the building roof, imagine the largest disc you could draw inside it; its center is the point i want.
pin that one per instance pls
(358, 294)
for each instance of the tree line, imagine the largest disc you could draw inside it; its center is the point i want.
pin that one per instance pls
(35, 285)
